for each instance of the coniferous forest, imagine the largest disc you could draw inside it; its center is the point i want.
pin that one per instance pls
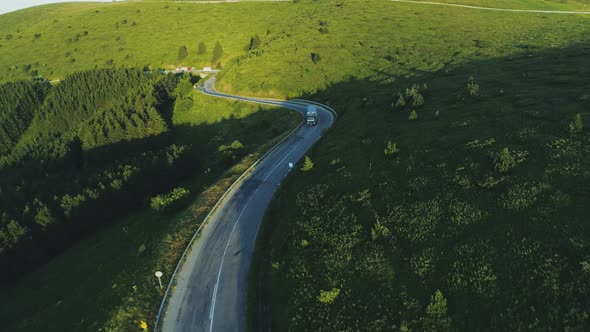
(72, 156)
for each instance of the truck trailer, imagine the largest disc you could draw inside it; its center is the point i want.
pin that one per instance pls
(312, 116)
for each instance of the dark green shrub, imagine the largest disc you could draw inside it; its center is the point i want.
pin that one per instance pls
(472, 88)
(171, 201)
(414, 97)
(315, 57)
(329, 296)
(391, 149)
(323, 27)
(400, 103)
(182, 52)
(307, 164)
(230, 153)
(505, 161)
(576, 125)
(202, 49)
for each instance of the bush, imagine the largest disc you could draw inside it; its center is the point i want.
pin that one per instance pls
(505, 161)
(411, 97)
(472, 88)
(323, 27)
(576, 125)
(307, 164)
(391, 149)
(232, 151)
(315, 57)
(414, 97)
(413, 116)
(329, 296)
(236, 145)
(170, 201)
(401, 102)
(522, 195)
(379, 231)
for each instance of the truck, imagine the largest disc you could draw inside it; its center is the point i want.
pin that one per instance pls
(311, 116)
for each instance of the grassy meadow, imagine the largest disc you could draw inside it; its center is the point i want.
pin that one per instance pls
(469, 215)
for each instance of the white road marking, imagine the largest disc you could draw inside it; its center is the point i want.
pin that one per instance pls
(214, 298)
(296, 105)
(281, 162)
(495, 9)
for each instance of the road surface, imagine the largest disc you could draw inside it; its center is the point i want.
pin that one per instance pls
(211, 289)
(495, 8)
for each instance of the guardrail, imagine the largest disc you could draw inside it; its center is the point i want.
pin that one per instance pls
(198, 231)
(318, 104)
(224, 196)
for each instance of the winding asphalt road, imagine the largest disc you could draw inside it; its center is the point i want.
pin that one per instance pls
(569, 12)
(211, 289)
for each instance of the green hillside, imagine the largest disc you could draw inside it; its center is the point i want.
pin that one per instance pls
(484, 197)
(450, 195)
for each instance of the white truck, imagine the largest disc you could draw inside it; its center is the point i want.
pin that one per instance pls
(312, 116)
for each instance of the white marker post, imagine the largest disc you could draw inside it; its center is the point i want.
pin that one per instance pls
(159, 276)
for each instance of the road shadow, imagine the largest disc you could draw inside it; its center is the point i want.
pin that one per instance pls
(524, 102)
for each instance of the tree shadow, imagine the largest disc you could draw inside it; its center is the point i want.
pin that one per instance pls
(524, 102)
(152, 169)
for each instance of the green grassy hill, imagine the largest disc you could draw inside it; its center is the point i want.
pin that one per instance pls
(486, 199)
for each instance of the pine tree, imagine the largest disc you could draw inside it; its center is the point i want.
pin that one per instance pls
(217, 52)
(254, 43)
(437, 318)
(182, 52)
(202, 49)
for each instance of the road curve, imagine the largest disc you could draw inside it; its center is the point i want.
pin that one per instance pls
(211, 288)
(496, 9)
